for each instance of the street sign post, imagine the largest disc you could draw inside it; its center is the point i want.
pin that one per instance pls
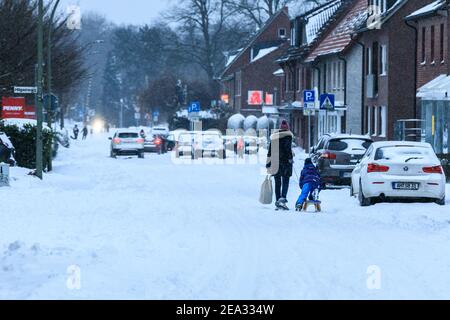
(25, 90)
(309, 99)
(327, 103)
(194, 107)
(194, 111)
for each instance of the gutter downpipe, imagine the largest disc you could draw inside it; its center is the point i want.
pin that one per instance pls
(416, 36)
(341, 57)
(363, 82)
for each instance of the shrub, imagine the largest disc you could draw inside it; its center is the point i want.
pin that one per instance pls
(24, 140)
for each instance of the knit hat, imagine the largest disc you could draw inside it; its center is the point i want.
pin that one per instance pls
(284, 125)
(308, 161)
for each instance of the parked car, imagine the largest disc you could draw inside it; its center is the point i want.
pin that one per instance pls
(399, 170)
(209, 144)
(185, 145)
(171, 142)
(337, 155)
(153, 144)
(127, 142)
(160, 131)
(6, 150)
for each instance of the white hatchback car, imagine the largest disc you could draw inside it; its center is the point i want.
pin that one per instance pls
(399, 170)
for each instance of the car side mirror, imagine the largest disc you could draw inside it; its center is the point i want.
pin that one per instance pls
(109, 138)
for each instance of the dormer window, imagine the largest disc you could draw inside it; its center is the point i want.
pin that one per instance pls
(282, 33)
(379, 6)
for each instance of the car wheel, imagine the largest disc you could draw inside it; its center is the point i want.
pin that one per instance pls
(441, 202)
(141, 155)
(363, 201)
(113, 154)
(352, 190)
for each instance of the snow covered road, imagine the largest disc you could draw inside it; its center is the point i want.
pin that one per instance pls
(151, 229)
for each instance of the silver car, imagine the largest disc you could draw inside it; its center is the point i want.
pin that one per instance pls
(127, 142)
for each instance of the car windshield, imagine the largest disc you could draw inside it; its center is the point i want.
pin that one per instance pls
(208, 139)
(403, 153)
(128, 135)
(349, 145)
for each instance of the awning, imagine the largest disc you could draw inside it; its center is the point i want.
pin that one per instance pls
(437, 89)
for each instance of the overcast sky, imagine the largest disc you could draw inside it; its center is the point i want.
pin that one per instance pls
(122, 11)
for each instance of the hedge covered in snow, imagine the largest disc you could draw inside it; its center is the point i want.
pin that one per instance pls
(22, 134)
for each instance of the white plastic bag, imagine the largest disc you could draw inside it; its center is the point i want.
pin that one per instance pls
(266, 196)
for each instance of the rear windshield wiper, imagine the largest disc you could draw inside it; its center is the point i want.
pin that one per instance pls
(413, 158)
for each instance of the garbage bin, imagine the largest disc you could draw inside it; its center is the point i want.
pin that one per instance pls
(4, 175)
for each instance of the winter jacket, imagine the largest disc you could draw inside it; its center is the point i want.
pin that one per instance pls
(310, 174)
(280, 156)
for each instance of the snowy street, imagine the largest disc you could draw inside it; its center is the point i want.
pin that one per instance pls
(152, 229)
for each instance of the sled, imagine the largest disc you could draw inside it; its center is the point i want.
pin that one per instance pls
(315, 202)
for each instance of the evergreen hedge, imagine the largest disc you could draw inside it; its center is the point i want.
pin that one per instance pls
(24, 140)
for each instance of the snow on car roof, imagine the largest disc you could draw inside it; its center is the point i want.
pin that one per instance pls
(381, 144)
(127, 131)
(349, 136)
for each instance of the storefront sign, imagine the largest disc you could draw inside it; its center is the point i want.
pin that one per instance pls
(13, 108)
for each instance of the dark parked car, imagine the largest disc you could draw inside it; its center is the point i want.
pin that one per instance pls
(337, 155)
(6, 150)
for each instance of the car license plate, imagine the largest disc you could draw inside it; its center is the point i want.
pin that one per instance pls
(406, 186)
(347, 175)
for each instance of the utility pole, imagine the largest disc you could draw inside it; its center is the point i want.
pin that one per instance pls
(39, 109)
(49, 78)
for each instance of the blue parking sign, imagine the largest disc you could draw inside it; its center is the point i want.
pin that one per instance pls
(194, 107)
(309, 99)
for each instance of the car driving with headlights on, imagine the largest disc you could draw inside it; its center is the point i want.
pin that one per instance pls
(336, 155)
(127, 142)
(403, 170)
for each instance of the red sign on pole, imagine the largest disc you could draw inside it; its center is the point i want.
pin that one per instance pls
(13, 108)
(255, 98)
(30, 112)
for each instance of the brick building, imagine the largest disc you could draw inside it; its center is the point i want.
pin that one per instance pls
(251, 78)
(306, 32)
(389, 66)
(432, 25)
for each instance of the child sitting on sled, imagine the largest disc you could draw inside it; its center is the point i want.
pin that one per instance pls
(310, 184)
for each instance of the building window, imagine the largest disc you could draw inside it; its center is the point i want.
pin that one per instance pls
(369, 61)
(383, 120)
(432, 36)
(383, 60)
(424, 38)
(369, 120)
(282, 33)
(376, 121)
(441, 43)
(238, 84)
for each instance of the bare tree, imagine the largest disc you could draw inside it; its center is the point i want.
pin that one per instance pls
(201, 24)
(259, 11)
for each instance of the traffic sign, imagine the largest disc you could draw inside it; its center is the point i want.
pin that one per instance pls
(327, 102)
(194, 107)
(25, 90)
(309, 98)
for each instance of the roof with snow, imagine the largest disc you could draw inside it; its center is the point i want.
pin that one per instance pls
(233, 58)
(317, 18)
(341, 36)
(436, 89)
(264, 52)
(315, 22)
(428, 10)
(397, 5)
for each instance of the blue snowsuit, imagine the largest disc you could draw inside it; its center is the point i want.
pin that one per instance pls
(309, 182)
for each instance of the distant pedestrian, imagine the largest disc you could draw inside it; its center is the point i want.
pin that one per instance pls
(241, 147)
(280, 160)
(107, 127)
(85, 132)
(76, 132)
